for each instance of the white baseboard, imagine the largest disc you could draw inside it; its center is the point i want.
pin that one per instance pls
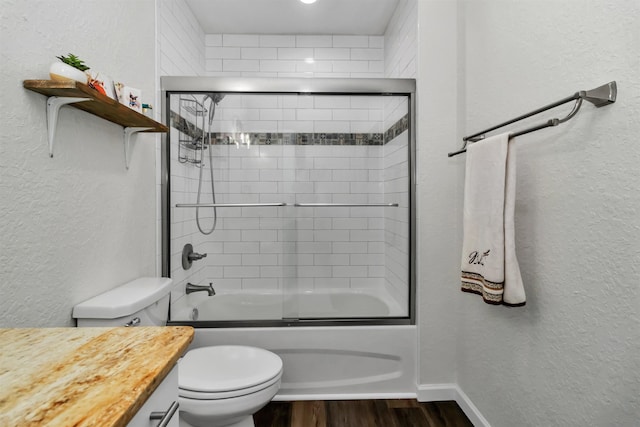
(470, 410)
(437, 392)
(425, 393)
(440, 392)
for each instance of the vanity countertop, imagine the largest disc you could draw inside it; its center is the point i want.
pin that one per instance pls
(83, 376)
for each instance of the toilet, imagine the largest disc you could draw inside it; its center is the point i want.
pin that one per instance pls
(218, 385)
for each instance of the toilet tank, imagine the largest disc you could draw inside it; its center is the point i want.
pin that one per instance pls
(143, 301)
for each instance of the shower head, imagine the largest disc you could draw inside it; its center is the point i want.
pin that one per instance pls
(214, 97)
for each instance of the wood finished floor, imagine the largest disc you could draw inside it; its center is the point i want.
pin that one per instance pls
(361, 413)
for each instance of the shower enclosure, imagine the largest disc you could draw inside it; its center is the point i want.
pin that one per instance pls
(300, 192)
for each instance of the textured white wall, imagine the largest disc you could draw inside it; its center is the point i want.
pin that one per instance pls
(80, 223)
(570, 356)
(438, 183)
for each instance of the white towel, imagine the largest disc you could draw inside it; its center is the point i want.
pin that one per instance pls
(489, 264)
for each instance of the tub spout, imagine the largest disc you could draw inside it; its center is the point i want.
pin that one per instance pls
(191, 288)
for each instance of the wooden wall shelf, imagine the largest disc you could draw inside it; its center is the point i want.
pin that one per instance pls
(83, 97)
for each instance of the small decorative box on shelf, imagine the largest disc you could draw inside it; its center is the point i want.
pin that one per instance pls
(85, 98)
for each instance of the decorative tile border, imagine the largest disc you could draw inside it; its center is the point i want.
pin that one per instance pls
(186, 127)
(397, 128)
(303, 138)
(298, 138)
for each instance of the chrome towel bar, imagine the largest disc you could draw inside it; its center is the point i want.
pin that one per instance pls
(600, 96)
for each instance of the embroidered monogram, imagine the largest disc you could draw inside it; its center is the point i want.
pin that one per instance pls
(476, 258)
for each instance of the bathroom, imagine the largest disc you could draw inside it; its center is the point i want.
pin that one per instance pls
(567, 358)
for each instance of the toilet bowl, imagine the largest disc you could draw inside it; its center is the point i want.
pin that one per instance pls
(219, 386)
(226, 385)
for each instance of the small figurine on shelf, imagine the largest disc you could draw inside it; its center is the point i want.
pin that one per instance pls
(97, 84)
(128, 96)
(71, 68)
(133, 101)
(102, 84)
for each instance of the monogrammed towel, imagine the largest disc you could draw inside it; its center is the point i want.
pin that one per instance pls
(489, 264)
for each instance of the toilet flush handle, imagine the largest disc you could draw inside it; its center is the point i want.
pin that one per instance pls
(134, 322)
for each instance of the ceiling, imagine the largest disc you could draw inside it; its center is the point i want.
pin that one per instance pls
(348, 17)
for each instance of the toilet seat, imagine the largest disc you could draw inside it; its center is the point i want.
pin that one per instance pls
(222, 372)
(199, 395)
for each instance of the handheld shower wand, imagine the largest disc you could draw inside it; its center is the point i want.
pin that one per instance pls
(214, 99)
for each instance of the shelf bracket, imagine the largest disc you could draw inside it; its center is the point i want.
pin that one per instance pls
(128, 132)
(54, 103)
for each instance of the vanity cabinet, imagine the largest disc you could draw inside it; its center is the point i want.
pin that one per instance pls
(161, 408)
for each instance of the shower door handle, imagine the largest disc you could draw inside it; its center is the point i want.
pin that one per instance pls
(346, 205)
(229, 205)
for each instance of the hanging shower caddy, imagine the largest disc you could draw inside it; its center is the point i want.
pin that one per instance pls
(191, 141)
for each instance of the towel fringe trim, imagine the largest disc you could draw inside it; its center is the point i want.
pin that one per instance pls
(491, 292)
(469, 291)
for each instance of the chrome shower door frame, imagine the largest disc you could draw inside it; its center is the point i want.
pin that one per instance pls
(295, 86)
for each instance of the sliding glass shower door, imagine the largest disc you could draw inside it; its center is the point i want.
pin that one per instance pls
(301, 201)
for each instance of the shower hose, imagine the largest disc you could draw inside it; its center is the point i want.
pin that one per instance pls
(207, 137)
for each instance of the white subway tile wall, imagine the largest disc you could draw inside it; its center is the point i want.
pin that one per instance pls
(396, 220)
(251, 55)
(181, 52)
(184, 187)
(400, 41)
(329, 246)
(311, 114)
(181, 40)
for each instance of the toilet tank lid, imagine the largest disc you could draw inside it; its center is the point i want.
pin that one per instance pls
(125, 299)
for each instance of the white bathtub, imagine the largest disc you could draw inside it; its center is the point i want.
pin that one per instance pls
(332, 362)
(275, 305)
(320, 362)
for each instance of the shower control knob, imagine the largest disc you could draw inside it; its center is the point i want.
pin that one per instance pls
(188, 256)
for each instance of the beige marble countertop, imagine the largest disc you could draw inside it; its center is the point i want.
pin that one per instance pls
(83, 376)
